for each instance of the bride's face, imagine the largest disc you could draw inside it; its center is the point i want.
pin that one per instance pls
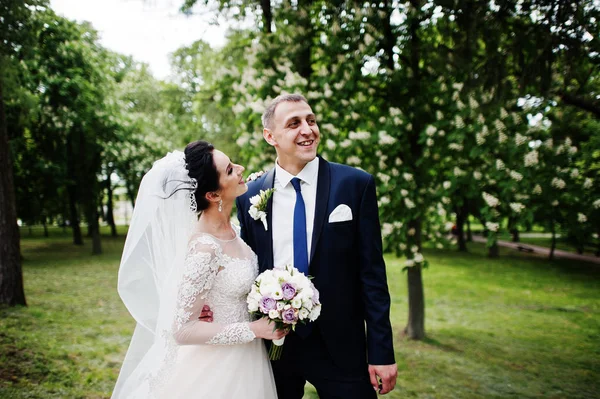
(231, 180)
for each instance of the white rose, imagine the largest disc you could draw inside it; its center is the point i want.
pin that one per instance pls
(274, 314)
(315, 313)
(303, 314)
(297, 303)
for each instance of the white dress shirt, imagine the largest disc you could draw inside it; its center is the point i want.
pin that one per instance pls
(284, 201)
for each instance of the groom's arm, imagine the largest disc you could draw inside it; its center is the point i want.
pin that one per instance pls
(375, 294)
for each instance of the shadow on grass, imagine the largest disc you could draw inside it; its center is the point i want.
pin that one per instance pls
(439, 345)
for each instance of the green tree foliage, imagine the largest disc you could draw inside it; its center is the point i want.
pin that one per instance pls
(429, 97)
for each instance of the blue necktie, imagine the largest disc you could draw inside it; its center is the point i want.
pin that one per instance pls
(300, 244)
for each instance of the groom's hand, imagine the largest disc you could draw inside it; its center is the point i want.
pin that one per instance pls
(206, 314)
(387, 374)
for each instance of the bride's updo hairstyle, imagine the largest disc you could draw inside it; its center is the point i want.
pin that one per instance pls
(201, 166)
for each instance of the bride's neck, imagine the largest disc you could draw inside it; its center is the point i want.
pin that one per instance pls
(214, 222)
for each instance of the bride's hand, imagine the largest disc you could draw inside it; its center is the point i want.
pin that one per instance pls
(263, 329)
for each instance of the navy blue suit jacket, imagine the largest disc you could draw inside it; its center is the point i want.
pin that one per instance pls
(346, 262)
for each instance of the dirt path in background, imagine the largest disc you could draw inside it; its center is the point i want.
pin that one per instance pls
(542, 251)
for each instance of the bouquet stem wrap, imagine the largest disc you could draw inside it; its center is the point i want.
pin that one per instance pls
(276, 349)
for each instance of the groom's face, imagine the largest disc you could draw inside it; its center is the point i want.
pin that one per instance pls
(294, 134)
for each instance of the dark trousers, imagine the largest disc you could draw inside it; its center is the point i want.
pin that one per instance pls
(308, 360)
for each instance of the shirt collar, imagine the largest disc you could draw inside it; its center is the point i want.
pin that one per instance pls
(308, 174)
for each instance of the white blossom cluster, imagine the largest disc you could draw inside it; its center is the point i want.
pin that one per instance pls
(458, 171)
(383, 177)
(517, 207)
(353, 160)
(479, 139)
(588, 183)
(417, 259)
(473, 104)
(490, 200)
(575, 173)
(516, 175)
(385, 138)
(502, 138)
(531, 158)
(430, 131)
(409, 204)
(597, 204)
(500, 127)
(558, 183)
(477, 175)
(492, 226)
(459, 122)
(520, 139)
(503, 113)
(581, 218)
(537, 189)
(455, 146)
(359, 135)
(499, 164)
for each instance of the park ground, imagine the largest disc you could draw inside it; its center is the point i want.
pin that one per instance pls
(513, 327)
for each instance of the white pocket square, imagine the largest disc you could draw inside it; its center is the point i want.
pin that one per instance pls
(342, 213)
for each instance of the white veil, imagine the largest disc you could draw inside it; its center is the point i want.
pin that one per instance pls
(151, 265)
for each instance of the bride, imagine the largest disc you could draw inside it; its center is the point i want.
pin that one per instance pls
(174, 263)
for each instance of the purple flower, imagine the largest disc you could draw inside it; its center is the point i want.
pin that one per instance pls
(289, 316)
(288, 291)
(267, 303)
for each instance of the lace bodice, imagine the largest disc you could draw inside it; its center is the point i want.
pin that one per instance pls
(218, 273)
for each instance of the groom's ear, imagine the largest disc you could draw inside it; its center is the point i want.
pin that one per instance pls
(268, 136)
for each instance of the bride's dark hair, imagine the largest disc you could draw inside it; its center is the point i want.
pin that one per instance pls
(201, 166)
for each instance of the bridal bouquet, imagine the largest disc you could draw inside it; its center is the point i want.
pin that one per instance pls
(286, 297)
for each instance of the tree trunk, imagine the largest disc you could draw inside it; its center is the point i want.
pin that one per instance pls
(110, 218)
(11, 273)
(72, 193)
(267, 15)
(74, 215)
(45, 224)
(94, 229)
(493, 251)
(415, 329)
(469, 233)
(515, 235)
(460, 222)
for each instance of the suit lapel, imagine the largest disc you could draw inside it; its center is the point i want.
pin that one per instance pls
(268, 183)
(323, 182)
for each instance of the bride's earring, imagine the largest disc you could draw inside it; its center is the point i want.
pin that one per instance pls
(220, 205)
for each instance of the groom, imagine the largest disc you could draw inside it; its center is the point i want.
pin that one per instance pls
(323, 219)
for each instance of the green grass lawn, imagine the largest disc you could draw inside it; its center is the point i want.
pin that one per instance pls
(514, 327)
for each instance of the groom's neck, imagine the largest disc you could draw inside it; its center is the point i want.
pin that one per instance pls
(291, 167)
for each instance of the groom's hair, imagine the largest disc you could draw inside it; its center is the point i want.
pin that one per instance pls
(267, 116)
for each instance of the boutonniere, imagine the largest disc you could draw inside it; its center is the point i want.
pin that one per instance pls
(255, 175)
(258, 209)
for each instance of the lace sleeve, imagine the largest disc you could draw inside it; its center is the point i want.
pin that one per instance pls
(202, 264)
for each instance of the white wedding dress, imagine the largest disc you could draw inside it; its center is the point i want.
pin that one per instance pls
(218, 360)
